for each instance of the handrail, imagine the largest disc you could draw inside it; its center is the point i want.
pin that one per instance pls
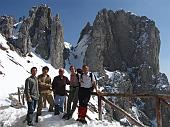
(159, 98)
(124, 112)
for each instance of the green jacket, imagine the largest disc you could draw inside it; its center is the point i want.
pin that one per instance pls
(31, 88)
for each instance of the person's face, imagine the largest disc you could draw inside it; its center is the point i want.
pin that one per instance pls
(45, 71)
(85, 69)
(61, 72)
(72, 70)
(34, 72)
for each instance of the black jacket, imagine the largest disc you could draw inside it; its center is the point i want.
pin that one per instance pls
(59, 85)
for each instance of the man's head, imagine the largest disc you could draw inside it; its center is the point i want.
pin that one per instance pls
(85, 69)
(45, 70)
(61, 71)
(72, 69)
(33, 71)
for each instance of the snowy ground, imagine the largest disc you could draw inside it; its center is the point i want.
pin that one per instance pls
(14, 69)
(11, 117)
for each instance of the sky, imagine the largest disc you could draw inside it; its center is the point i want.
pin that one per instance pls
(76, 13)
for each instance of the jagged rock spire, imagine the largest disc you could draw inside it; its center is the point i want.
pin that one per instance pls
(57, 43)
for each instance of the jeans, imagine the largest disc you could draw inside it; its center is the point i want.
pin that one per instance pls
(31, 106)
(59, 100)
(31, 109)
(73, 97)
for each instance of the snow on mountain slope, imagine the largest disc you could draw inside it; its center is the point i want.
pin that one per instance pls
(3, 42)
(15, 69)
(77, 54)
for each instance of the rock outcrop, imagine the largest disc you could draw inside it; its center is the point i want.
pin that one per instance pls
(123, 41)
(38, 32)
(6, 26)
(57, 43)
(23, 42)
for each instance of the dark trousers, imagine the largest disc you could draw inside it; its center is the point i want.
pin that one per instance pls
(84, 95)
(49, 98)
(31, 109)
(72, 98)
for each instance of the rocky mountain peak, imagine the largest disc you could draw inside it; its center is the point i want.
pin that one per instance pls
(122, 41)
(86, 30)
(39, 31)
(6, 25)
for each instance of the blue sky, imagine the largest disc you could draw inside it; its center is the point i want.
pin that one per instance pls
(76, 13)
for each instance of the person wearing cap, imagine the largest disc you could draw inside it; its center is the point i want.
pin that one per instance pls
(45, 90)
(59, 89)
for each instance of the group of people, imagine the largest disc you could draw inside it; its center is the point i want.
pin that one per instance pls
(41, 87)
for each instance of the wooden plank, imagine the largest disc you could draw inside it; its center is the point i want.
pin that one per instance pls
(158, 112)
(143, 95)
(23, 99)
(165, 102)
(123, 112)
(19, 94)
(100, 107)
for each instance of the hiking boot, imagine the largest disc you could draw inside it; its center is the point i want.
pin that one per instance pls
(30, 124)
(83, 121)
(67, 116)
(50, 110)
(78, 119)
(39, 114)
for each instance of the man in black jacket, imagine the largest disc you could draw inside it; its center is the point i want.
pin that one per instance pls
(59, 88)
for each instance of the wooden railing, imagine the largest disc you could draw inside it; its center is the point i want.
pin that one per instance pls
(159, 98)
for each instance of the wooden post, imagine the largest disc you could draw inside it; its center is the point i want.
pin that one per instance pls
(100, 107)
(23, 99)
(158, 112)
(19, 94)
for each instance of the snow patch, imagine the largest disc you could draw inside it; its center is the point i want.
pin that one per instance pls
(3, 42)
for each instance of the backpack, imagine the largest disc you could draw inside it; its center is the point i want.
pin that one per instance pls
(77, 75)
